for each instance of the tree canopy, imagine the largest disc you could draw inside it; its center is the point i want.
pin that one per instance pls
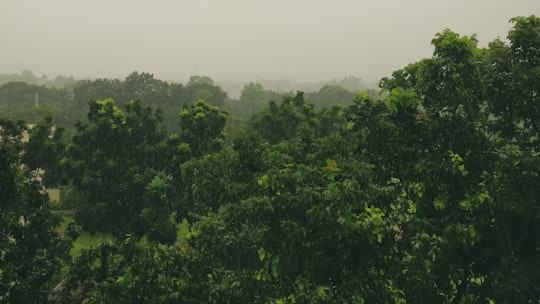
(31, 251)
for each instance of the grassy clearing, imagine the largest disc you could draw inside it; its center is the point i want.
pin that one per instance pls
(87, 240)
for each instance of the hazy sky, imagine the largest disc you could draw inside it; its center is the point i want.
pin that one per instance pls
(238, 39)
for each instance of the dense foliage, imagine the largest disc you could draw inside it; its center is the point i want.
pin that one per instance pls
(428, 194)
(31, 251)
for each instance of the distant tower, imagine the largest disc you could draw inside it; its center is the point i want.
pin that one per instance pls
(37, 99)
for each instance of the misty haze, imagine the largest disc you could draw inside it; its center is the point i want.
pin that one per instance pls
(237, 40)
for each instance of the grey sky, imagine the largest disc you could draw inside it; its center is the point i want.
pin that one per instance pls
(238, 39)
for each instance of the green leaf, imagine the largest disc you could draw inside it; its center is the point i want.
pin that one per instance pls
(262, 253)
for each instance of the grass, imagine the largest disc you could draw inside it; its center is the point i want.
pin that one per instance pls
(87, 240)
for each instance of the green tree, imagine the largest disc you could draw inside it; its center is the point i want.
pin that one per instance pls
(19, 100)
(136, 86)
(150, 91)
(200, 160)
(254, 98)
(455, 247)
(203, 87)
(279, 122)
(328, 95)
(99, 89)
(130, 271)
(32, 252)
(302, 234)
(512, 80)
(112, 162)
(201, 127)
(203, 184)
(44, 151)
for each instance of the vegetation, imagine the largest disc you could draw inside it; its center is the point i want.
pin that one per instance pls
(426, 193)
(31, 251)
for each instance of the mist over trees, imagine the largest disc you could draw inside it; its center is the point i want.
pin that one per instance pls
(28, 77)
(423, 192)
(25, 96)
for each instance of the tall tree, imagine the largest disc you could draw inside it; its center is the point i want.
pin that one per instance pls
(254, 98)
(99, 89)
(329, 95)
(131, 271)
(201, 127)
(455, 248)
(203, 87)
(44, 151)
(32, 252)
(111, 161)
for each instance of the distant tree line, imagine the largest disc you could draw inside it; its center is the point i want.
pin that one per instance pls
(25, 96)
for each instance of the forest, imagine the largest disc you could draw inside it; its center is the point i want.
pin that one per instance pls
(425, 191)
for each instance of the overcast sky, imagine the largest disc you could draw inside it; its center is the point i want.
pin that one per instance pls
(305, 40)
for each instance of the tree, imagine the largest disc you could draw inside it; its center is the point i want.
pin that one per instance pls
(130, 271)
(201, 127)
(279, 122)
(513, 79)
(32, 251)
(267, 234)
(112, 161)
(254, 98)
(330, 94)
(196, 156)
(136, 86)
(513, 82)
(203, 87)
(19, 100)
(303, 233)
(99, 89)
(44, 151)
(145, 88)
(456, 245)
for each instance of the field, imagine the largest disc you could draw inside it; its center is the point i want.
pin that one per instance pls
(86, 240)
